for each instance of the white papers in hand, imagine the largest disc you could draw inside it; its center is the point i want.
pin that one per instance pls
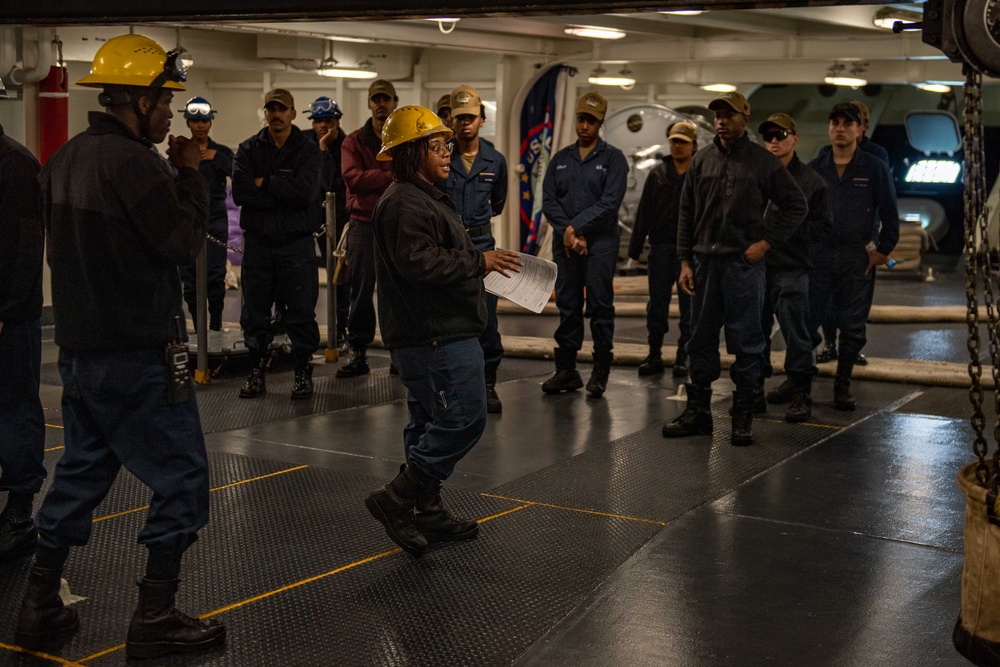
(531, 288)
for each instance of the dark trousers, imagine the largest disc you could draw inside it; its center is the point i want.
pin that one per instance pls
(594, 271)
(787, 297)
(838, 280)
(115, 413)
(729, 294)
(447, 401)
(284, 274)
(830, 324)
(218, 228)
(22, 423)
(664, 268)
(361, 269)
(489, 340)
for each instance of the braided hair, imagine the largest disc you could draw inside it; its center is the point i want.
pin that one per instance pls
(408, 157)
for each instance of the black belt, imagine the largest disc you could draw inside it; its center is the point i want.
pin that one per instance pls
(480, 230)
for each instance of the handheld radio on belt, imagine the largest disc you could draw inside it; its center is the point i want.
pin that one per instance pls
(176, 356)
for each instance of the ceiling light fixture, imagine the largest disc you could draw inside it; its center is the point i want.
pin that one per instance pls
(685, 12)
(600, 77)
(594, 32)
(445, 24)
(719, 88)
(332, 68)
(839, 75)
(887, 17)
(934, 87)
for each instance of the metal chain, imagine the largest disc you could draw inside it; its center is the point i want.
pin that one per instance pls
(218, 242)
(976, 265)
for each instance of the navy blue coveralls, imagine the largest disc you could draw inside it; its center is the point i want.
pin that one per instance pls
(656, 217)
(788, 265)
(118, 225)
(723, 202)
(215, 171)
(22, 423)
(478, 195)
(278, 220)
(586, 195)
(862, 198)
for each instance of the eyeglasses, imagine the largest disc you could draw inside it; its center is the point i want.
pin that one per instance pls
(173, 70)
(775, 135)
(199, 110)
(439, 149)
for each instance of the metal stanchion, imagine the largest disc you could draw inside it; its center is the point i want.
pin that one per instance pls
(201, 374)
(332, 350)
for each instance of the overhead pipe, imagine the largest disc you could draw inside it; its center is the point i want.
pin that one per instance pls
(8, 50)
(43, 62)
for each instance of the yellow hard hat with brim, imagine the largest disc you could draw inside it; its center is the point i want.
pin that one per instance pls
(409, 123)
(135, 60)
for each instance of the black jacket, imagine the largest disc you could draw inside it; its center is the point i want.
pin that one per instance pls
(331, 179)
(118, 224)
(21, 233)
(725, 195)
(816, 229)
(216, 171)
(430, 276)
(659, 206)
(282, 208)
(862, 198)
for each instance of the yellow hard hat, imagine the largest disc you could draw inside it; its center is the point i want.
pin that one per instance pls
(135, 60)
(409, 123)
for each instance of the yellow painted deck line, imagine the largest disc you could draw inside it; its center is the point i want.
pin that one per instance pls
(38, 654)
(54, 425)
(574, 509)
(218, 488)
(52, 449)
(782, 421)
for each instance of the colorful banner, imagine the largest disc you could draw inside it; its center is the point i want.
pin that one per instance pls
(537, 118)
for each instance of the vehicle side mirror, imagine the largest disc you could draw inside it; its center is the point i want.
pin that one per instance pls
(933, 132)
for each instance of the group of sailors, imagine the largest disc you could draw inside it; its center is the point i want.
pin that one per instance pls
(744, 230)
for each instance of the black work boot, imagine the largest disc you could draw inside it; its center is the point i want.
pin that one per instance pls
(653, 363)
(215, 315)
(743, 408)
(759, 402)
(44, 622)
(828, 353)
(435, 523)
(357, 366)
(392, 505)
(681, 363)
(800, 409)
(303, 387)
(255, 385)
(493, 404)
(783, 393)
(566, 377)
(159, 628)
(18, 536)
(598, 382)
(842, 399)
(697, 416)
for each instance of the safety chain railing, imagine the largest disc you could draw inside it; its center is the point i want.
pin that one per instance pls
(229, 246)
(978, 263)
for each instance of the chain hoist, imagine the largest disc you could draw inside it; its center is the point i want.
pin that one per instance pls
(978, 265)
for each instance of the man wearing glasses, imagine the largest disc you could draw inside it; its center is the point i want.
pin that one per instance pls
(216, 166)
(325, 115)
(788, 264)
(722, 237)
(477, 184)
